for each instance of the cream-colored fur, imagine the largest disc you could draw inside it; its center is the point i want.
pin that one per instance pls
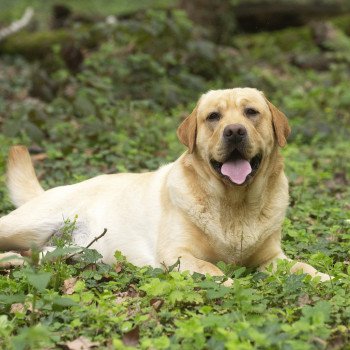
(22, 182)
(184, 209)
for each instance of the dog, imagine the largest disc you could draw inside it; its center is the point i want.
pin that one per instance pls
(224, 199)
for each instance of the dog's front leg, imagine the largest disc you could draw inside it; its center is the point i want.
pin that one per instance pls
(188, 262)
(297, 267)
(181, 240)
(270, 252)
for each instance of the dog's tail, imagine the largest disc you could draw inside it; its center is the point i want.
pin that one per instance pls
(22, 183)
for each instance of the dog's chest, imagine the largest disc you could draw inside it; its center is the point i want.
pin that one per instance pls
(234, 233)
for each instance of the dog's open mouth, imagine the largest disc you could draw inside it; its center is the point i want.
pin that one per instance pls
(237, 168)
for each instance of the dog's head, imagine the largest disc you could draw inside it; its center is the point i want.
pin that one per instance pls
(234, 131)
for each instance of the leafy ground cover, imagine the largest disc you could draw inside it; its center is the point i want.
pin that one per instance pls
(118, 111)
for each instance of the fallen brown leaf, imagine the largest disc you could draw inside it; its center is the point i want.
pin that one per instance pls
(68, 285)
(132, 337)
(132, 291)
(118, 268)
(81, 343)
(121, 297)
(157, 303)
(17, 307)
(304, 299)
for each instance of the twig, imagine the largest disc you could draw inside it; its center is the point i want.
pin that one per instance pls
(96, 238)
(170, 268)
(165, 267)
(89, 245)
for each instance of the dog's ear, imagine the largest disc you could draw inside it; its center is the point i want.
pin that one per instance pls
(280, 124)
(187, 131)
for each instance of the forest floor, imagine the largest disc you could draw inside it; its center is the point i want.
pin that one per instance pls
(109, 99)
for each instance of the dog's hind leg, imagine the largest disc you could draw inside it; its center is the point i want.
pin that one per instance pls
(21, 230)
(33, 223)
(10, 259)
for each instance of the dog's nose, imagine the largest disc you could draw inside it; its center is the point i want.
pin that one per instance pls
(235, 133)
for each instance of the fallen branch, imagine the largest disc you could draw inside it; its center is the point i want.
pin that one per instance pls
(37, 45)
(16, 26)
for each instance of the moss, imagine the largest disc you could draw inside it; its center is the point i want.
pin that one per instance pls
(34, 45)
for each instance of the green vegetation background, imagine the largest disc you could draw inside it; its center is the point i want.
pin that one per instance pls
(113, 105)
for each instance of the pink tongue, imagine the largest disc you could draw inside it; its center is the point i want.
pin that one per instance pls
(237, 170)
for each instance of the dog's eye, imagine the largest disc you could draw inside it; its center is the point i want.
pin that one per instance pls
(251, 112)
(214, 116)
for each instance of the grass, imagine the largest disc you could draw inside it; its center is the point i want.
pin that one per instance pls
(119, 112)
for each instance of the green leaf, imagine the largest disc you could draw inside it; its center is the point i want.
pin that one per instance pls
(90, 256)
(10, 299)
(65, 302)
(59, 252)
(175, 296)
(38, 280)
(319, 313)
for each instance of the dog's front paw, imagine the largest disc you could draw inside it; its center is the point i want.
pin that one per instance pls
(228, 282)
(324, 277)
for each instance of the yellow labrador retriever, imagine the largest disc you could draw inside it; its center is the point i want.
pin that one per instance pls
(224, 199)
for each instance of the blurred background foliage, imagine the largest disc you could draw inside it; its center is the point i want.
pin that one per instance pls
(100, 86)
(79, 72)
